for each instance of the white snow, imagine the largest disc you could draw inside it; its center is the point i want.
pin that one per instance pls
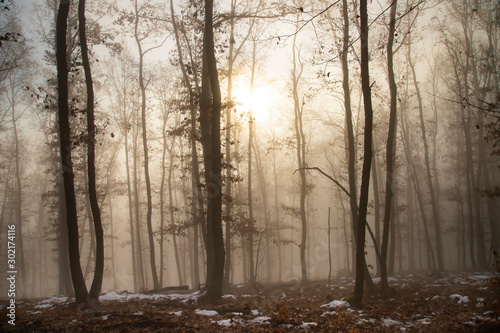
(229, 322)
(329, 313)
(105, 317)
(177, 313)
(206, 312)
(229, 296)
(111, 296)
(49, 302)
(391, 322)
(138, 313)
(461, 299)
(308, 325)
(255, 312)
(263, 320)
(336, 304)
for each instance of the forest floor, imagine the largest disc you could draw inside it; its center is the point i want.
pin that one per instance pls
(452, 302)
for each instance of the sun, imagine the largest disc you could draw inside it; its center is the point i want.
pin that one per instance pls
(260, 101)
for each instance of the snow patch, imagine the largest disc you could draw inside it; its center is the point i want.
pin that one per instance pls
(229, 322)
(229, 296)
(206, 312)
(391, 322)
(336, 304)
(105, 317)
(49, 302)
(177, 313)
(255, 312)
(461, 299)
(262, 320)
(308, 325)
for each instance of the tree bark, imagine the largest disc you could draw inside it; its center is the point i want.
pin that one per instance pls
(152, 259)
(210, 126)
(81, 293)
(367, 157)
(300, 139)
(95, 288)
(390, 149)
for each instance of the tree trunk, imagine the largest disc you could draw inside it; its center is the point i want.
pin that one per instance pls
(210, 125)
(149, 212)
(390, 149)
(81, 293)
(95, 288)
(252, 277)
(367, 157)
(300, 139)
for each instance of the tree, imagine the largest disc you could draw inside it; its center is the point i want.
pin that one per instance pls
(367, 156)
(142, 84)
(81, 293)
(298, 109)
(95, 289)
(391, 147)
(210, 125)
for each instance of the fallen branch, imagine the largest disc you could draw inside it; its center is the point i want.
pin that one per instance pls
(154, 291)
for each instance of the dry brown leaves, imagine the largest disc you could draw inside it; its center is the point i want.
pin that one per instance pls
(419, 303)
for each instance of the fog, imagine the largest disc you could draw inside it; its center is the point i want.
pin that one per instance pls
(292, 168)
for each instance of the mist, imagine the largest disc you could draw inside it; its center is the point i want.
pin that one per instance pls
(158, 148)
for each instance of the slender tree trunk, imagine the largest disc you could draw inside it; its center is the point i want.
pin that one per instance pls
(390, 149)
(142, 85)
(19, 197)
(135, 152)
(130, 213)
(263, 191)
(172, 218)
(367, 157)
(95, 288)
(277, 208)
(252, 277)
(229, 200)
(80, 289)
(329, 250)
(299, 137)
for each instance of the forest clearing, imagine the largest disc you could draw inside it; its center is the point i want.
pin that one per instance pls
(459, 302)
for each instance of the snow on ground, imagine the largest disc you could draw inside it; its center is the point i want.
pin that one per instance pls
(50, 302)
(113, 296)
(336, 304)
(461, 299)
(262, 320)
(391, 322)
(206, 312)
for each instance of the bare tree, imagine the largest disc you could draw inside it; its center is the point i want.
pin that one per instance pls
(210, 111)
(81, 292)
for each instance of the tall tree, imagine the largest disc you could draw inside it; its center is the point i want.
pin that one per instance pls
(390, 148)
(95, 288)
(210, 125)
(298, 107)
(81, 293)
(367, 156)
(139, 39)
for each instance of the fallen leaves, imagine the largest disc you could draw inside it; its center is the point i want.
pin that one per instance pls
(419, 303)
